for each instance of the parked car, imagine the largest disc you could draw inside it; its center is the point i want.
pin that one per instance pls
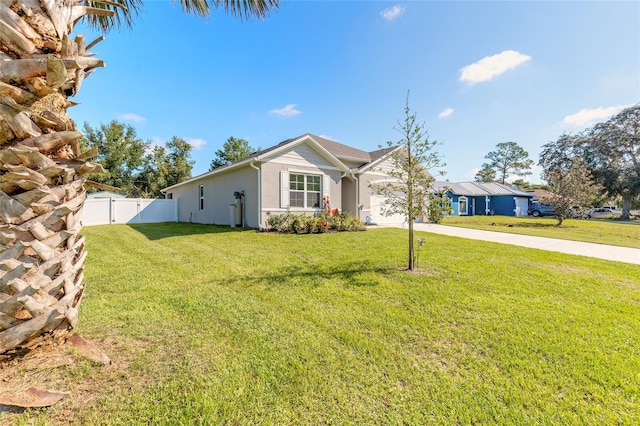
(537, 210)
(603, 212)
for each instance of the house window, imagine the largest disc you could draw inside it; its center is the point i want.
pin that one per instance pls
(304, 190)
(201, 194)
(462, 206)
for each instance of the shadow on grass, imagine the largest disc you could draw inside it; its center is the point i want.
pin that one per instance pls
(353, 274)
(158, 231)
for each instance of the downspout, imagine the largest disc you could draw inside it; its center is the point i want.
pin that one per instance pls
(259, 194)
(357, 181)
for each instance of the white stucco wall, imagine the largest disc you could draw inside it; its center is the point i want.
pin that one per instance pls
(300, 159)
(218, 196)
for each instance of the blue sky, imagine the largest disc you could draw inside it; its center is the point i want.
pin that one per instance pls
(479, 73)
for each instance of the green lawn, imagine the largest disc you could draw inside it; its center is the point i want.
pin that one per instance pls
(208, 326)
(592, 231)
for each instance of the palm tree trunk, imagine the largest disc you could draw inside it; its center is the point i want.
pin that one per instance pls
(41, 170)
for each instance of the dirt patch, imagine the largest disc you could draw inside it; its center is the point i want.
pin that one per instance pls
(417, 271)
(56, 368)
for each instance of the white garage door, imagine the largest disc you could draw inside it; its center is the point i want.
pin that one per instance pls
(376, 216)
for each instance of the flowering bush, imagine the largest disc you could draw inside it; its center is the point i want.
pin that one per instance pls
(318, 223)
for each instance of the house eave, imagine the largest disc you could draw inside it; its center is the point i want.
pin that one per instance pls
(219, 170)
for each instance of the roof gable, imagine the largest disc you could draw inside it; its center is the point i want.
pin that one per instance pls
(304, 139)
(336, 153)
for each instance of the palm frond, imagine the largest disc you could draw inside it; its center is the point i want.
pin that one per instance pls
(126, 11)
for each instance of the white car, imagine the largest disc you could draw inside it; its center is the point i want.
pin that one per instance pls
(603, 213)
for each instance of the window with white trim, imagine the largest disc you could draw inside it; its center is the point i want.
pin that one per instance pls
(201, 196)
(463, 206)
(304, 190)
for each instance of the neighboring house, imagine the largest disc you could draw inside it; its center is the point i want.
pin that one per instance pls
(485, 198)
(293, 176)
(540, 195)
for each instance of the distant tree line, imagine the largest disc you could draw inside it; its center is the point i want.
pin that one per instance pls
(583, 170)
(135, 166)
(606, 156)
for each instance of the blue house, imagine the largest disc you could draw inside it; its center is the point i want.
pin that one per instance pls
(485, 198)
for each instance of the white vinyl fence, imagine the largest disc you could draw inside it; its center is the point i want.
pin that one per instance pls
(104, 211)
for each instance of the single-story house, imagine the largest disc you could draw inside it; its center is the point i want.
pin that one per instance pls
(485, 198)
(292, 176)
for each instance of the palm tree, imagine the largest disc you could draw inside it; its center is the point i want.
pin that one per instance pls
(41, 166)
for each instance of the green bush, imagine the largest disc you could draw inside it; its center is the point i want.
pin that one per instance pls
(439, 206)
(280, 223)
(317, 224)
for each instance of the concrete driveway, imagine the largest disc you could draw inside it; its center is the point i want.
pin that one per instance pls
(600, 251)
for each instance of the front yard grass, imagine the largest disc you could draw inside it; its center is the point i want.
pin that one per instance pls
(209, 326)
(592, 231)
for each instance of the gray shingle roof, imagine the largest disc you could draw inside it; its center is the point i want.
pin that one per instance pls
(381, 152)
(476, 189)
(338, 150)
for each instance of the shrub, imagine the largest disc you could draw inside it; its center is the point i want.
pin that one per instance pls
(299, 224)
(439, 205)
(281, 223)
(318, 223)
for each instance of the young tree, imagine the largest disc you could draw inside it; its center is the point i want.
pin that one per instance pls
(234, 149)
(572, 189)
(411, 188)
(486, 174)
(44, 168)
(508, 159)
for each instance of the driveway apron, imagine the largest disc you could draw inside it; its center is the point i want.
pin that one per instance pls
(600, 251)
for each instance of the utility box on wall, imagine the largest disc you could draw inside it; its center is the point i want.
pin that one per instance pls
(237, 217)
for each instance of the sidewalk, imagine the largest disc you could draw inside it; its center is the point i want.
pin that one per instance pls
(600, 251)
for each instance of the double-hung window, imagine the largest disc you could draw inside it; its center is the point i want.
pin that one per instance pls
(304, 190)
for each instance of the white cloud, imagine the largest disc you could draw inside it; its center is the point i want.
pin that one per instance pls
(130, 116)
(588, 116)
(490, 67)
(446, 113)
(392, 13)
(196, 143)
(288, 111)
